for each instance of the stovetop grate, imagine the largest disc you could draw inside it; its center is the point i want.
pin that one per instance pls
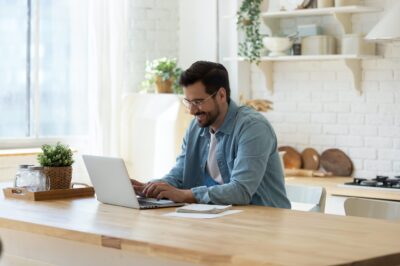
(378, 182)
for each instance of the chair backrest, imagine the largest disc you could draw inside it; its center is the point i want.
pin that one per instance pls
(380, 209)
(307, 194)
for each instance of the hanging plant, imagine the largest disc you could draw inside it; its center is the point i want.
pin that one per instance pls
(248, 21)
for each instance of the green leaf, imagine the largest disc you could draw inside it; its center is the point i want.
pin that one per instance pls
(57, 155)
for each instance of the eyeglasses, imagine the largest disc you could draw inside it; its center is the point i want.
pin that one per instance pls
(197, 103)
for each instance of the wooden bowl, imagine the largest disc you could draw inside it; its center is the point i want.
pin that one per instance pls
(291, 158)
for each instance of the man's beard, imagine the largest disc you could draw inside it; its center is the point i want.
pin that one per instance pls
(207, 118)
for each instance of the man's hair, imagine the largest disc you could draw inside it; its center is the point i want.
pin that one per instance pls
(212, 75)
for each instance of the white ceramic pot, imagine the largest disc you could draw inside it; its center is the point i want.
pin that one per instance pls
(318, 45)
(325, 3)
(277, 45)
(355, 44)
(347, 2)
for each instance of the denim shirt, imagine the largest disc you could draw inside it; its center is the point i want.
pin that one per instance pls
(247, 158)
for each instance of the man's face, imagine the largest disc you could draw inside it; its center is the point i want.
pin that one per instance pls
(203, 106)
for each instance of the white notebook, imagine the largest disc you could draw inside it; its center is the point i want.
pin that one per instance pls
(203, 208)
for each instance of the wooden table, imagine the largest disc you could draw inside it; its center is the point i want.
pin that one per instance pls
(256, 236)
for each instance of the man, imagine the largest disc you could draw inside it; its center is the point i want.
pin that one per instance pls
(229, 153)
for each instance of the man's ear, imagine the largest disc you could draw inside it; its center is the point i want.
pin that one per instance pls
(222, 93)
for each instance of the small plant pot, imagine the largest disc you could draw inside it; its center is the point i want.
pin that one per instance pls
(59, 177)
(246, 22)
(164, 86)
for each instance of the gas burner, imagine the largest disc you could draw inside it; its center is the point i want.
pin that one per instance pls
(397, 176)
(381, 178)
(358, 180)
(391, 182)
(369, 183)
(383, 182)
(396, 185)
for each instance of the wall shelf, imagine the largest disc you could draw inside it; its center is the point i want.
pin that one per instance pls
(321, 11)
(351, 62)
(341, 14)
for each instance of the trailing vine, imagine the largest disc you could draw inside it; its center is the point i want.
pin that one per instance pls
(248, 21)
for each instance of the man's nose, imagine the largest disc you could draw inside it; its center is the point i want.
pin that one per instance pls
(193, 109)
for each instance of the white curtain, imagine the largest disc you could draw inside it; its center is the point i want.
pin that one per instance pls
(107, 48)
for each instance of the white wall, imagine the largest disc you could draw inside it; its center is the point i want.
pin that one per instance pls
(153, 33)
(315, 105)
(197, 31)
(185, 29)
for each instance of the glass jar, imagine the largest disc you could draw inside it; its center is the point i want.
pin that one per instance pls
(297, 47)
(38, 180)
(22, 175)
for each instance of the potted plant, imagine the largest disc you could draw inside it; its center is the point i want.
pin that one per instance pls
(248, 21)
(57, 161)
(164, 73)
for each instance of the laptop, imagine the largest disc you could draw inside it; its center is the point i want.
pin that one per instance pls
(113, 186)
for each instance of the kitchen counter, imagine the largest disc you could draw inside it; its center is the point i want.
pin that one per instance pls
(332, 188)
(256, 236)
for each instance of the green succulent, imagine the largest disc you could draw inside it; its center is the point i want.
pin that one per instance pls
(248, 21)
(166, 68)
(58, 155)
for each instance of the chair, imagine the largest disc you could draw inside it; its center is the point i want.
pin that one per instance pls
(306, 195)
(379, 209)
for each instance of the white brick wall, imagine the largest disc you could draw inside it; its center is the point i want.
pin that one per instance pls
(316, 105)
(153, 33)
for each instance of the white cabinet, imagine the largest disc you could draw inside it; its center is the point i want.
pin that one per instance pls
(343, 17)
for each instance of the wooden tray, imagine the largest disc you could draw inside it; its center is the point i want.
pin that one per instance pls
(22, 193)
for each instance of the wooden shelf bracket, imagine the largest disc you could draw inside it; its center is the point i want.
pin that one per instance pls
(267, 69)
(354, 66)
(344, 20)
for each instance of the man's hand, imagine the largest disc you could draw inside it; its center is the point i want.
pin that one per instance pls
(138, 187)
(161, 190)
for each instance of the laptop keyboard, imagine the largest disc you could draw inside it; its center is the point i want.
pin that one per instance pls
(147, 205)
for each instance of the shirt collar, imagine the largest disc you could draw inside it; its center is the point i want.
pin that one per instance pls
(227, 125)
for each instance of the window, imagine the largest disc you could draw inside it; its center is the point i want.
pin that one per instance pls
(43, 69)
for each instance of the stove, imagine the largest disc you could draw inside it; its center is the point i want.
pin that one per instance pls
(379, 182)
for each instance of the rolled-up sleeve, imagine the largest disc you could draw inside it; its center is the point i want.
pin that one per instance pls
(201, 194)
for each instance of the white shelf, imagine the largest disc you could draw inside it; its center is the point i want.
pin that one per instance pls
(321, 11)
(316, 12)
(307, 57)
(351, 62)
(317, 57)
(341, 14)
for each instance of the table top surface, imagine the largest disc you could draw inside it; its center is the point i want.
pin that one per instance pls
(256, 236)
